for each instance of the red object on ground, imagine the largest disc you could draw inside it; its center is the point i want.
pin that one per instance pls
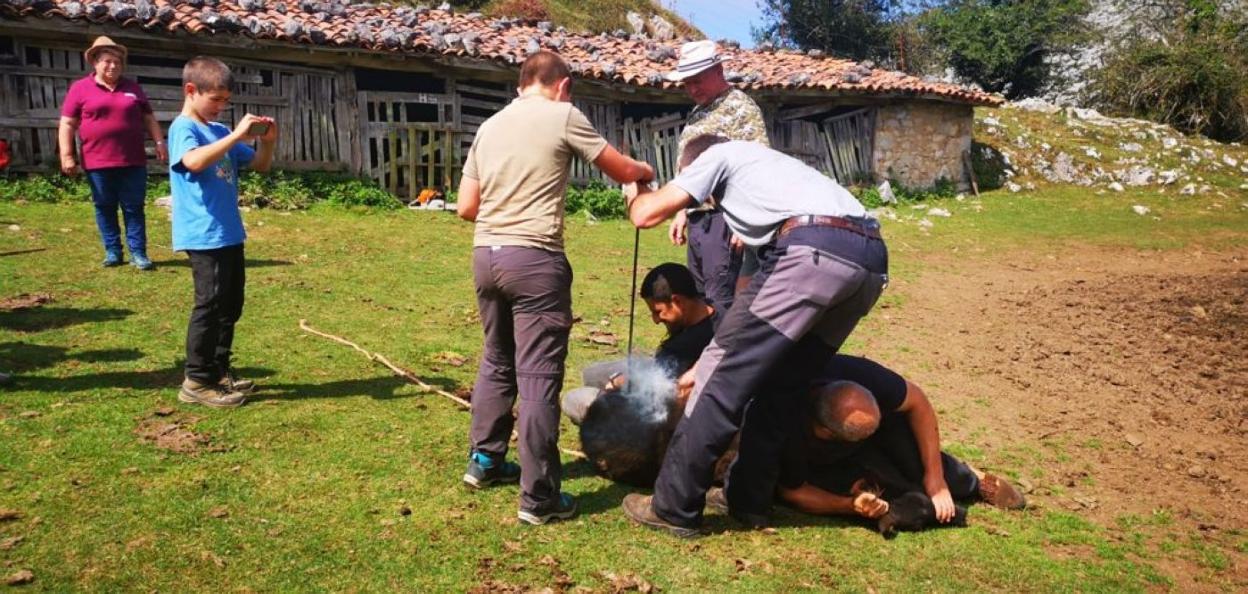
(4, 154)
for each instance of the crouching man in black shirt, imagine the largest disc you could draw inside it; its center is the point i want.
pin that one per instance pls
(673, 299)
(867, 425)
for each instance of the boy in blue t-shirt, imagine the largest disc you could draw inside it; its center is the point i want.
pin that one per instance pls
(204, 161)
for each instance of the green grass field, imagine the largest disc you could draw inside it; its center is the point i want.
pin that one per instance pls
(305, 487)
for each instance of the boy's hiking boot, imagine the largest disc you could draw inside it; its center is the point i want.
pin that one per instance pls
(112, 259)
(233, 383)
(998, 492)
(141, 261)
(213, 395)
(565, 509)
(484, 471)
(639, 509)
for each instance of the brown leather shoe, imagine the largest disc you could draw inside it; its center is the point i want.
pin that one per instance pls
(233, 383)
(998, 492)
(638, 509)
(213, 395)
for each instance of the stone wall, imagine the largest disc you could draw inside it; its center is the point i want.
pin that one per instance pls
(919, 142)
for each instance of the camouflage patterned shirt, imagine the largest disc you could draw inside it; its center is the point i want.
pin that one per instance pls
(733, 115)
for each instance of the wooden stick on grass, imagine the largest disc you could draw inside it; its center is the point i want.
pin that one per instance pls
(380, 358)
(405, 374)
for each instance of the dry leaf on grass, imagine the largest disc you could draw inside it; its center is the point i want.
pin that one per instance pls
(9, 514)
(9, 543)
(24, 576)
(603, 338)
(451, 358)
(627, 582)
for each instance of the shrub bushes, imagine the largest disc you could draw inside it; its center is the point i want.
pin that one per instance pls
(279, 190)
(293, 191)
(1194, 77)
(870, 197)
(598, 200)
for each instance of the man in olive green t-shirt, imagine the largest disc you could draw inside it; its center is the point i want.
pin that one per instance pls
(514, 183)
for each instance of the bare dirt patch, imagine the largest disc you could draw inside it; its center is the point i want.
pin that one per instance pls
(24, 301)
(1115, 382)
(171, 431)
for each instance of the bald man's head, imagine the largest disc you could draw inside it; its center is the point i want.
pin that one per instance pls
(845, 411)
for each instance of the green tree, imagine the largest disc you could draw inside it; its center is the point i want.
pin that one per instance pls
(857, 29)
(1002, 45)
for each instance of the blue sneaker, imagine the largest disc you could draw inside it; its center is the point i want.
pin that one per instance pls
(112, 259)
(564, 510)
(484, 471)
(141, 261)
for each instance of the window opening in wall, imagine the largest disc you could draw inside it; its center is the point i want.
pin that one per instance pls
(368, 79)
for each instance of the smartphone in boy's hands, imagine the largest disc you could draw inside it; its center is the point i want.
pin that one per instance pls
(258, 129)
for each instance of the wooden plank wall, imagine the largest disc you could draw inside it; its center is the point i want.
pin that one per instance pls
(404, 141)
(307, 103)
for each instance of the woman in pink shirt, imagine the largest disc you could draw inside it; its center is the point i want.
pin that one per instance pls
(110, 115)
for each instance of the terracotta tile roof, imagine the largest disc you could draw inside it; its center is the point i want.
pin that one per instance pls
(384, 28)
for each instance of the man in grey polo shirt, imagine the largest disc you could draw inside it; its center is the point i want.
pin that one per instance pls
(822, 267)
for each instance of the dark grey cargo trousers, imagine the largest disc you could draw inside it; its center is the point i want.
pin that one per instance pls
(712, 261)
(525, 299)
(812, 288)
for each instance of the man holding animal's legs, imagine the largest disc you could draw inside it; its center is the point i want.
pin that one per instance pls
(714, 257)
(864, 422)
(823, 265)
(673, 300)
(513, 187)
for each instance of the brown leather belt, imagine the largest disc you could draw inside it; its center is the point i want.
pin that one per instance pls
(825, 221)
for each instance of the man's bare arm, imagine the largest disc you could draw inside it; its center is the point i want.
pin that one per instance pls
(813, 500)
(469, 199)
(922, 418)
(648, 208)
(621, 168)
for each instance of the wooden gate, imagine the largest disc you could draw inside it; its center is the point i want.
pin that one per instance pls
(850, 141)
(410, 141)
(656, 141)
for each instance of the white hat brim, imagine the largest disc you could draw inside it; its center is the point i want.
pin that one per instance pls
(677, 75)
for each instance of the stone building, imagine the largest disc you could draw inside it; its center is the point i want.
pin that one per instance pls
(397, 93)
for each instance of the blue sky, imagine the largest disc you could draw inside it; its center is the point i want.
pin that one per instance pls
(719, 18)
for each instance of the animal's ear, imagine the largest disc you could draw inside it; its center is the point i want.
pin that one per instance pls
(959, 516)
(888, 526)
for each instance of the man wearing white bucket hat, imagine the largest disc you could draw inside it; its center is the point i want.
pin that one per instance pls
(723, 111)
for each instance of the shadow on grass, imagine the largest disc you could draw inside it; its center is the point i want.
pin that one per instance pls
(20, 252)
(38, 319)
(185, 263)
(167, 378)
(384, 387)
(22, 356)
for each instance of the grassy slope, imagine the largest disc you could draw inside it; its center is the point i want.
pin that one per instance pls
(318, 467)
(601, 15)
